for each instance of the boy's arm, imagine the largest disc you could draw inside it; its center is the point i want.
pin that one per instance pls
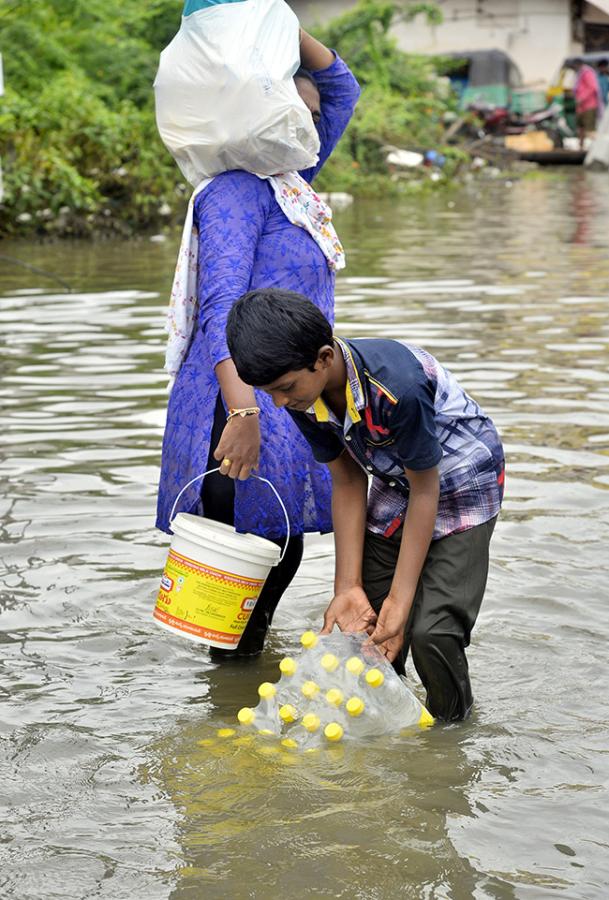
(416, 538)
(349, 608)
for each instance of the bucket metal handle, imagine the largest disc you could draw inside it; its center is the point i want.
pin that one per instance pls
(260, 478)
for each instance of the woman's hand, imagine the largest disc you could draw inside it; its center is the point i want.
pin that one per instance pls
(351, 611)
(390, 624)
(238, 449)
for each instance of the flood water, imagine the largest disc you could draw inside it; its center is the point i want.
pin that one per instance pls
(107, 791)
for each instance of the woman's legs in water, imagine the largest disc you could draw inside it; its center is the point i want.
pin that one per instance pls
(218, 494)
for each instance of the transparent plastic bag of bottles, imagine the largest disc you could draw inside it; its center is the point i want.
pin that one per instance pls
(334, 689)
(225, 96)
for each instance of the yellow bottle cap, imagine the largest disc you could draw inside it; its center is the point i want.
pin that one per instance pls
(290, 743)
(355, 706)
(329, 662)
(288, 713)
(267, 690)
(206, 742)
(226, 732)
(355, 665)
(335, 696)
(426, 719)
(246, 715)
(308, 640)
(265, 731)
(288, 666)
(311, 722)
(374, 677)
(333, 731)
(309, 689)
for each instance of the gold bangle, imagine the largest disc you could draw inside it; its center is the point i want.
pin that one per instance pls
(246, 411)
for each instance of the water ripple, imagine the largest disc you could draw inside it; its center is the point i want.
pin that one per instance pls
(118, 784)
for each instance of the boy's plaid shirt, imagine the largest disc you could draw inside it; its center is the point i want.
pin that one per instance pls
(405, 410)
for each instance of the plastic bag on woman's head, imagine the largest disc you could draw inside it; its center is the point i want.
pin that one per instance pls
(225, 95)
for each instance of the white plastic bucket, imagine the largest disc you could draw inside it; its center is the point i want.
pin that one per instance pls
(213, 577)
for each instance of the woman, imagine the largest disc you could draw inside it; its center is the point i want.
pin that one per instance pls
(249, 237)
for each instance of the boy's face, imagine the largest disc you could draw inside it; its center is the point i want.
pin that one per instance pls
(300, 388)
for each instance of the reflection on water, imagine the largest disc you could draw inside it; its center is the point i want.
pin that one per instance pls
(116, 785)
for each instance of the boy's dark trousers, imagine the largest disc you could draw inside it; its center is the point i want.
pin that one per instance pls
(444, 611)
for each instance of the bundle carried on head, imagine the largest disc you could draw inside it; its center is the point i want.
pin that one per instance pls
(225, 95)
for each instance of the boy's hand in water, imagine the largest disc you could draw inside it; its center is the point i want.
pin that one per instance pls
(351, 611)
(388, 634)
(239, 447)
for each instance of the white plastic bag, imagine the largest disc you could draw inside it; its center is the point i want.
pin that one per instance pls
(225, 95)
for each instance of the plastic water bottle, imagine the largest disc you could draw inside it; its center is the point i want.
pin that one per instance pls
(252, 720)
(291, 681)
(309, 690)
(317, 733)
(333, 732)
(396, 700)
(354, 668)
(335, 697)
(308, 732)
(351, 675)
(267, 711)
(309, 640)
(288, 714)
(361, 720)
(329, 663)
(336, 688)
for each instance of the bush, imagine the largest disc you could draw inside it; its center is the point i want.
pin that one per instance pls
(403, 100)
(78, 139)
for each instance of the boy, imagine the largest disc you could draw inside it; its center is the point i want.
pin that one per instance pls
(412, 554)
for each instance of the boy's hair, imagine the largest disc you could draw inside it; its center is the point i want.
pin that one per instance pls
(271, 332)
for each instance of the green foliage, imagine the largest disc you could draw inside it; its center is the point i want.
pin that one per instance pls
(78, 140)
(403, 99)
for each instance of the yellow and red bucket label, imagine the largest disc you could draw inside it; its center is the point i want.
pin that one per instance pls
(205, 602)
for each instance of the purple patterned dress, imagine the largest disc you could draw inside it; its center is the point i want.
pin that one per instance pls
(246, 242)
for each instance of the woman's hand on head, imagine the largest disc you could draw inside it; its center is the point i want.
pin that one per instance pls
(238, 449)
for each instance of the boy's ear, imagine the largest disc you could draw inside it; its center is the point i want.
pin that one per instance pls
(325, 357)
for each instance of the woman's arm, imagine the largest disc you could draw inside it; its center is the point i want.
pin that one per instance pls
(313, 54)
(238, 449)
(338, 91)
(416, 537)
(349, 608)
(230, 215)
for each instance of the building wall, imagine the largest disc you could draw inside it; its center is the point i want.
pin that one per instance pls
(535, 33)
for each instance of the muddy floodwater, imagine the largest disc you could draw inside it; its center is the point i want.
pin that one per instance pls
(107, 791)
